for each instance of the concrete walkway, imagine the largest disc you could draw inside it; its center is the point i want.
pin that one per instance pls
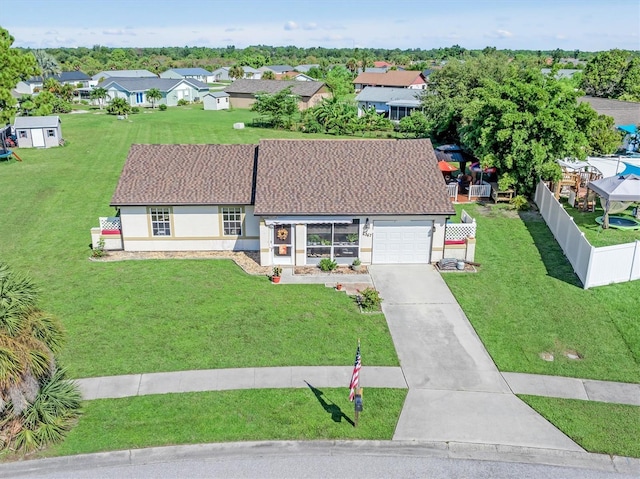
(456, 393)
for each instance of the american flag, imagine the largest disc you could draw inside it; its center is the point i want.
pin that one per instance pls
(356, 374)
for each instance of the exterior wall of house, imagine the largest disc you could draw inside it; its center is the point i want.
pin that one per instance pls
(365, 241)
(418, 86)
(193, 228)
(365, 105)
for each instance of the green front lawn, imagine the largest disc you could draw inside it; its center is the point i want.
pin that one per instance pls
(145, 316)
(525, 300)
(597, 427)
(251, 415)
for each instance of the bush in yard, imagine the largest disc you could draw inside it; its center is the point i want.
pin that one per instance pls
(37, 404)
(369, 299)
(118, 106)
(327, 264)
(162, 107)
(182, 102)
(520, 202)
(135, 109)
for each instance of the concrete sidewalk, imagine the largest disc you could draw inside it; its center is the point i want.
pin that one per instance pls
(456, 392)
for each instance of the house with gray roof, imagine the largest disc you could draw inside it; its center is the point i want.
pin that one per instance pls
(38, 131)
(277, 68)
(134, 90)
(295, 202)
(393, 103)
(199, 74)
(562, 73)
(243, 93)
(103, 75)
(34, 84)
(305, 68)
(222, 74)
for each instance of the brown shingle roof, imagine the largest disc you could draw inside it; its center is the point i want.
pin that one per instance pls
(186, 175)
(329, 177)
(302, 88)
(390, 78)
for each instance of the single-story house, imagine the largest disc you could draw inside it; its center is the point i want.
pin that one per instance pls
(294, 201)
(38, 131)
(222, 74)
(216, 100)
(242, 93)
(625, 114)
(305, 68)
(34, 84)
(392, 78)
(134, 90)
(393, 103)
(294, 76)
(562, 73)
(103, 75)
(199, 74)
(277, 68)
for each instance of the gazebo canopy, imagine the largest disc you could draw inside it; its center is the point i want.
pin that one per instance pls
(618, 188)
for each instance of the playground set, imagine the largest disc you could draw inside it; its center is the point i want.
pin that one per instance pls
(8, 140)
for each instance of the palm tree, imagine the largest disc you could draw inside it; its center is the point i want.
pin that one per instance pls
(47, 63)
(36, 404)
(268, 75)
(119, 106)
(236, 71)
(154, 95)
(99, 94)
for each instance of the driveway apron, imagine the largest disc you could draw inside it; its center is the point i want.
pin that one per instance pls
(456, 392)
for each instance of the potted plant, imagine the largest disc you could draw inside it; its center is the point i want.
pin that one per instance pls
(352, 238)
(277, 272)
(356, 265)
(339, 286)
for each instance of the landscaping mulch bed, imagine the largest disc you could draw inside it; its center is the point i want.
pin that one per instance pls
(340, 270)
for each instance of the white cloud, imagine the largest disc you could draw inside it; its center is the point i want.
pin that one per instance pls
(291, 25)
(310, 26)
(503, 34)
(118, 32)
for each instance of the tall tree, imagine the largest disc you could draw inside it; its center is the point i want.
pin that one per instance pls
(100, 94)
(610, 74)
(277, 108)
(522, 126)
(236, 71)
(268, 75)
(37, 404)
(14, 67)
(47, 63)
(154, 95)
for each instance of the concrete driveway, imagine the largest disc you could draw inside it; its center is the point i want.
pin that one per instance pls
(456, 393)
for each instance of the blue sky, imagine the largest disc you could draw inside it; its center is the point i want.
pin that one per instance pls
(587, 25)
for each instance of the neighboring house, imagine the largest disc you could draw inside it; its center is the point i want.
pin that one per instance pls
(373, 70)
(34, 84)
(626, 118)
(103, 75)
(222, 74)
(199, 74)
(382, 64)
(277, 68)
(134, 90)
(393, 103)
(562, 73)
(38, 131)
(216, 100)
(307, 67)
(242, 93)
(294, 201)
(393, 78)
(294, 76)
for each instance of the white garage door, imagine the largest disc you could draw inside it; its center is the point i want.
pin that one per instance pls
(401, 242)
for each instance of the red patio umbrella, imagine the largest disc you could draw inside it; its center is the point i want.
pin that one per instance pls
(446, 167)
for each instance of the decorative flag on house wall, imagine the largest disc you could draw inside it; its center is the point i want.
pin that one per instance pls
(356, 374)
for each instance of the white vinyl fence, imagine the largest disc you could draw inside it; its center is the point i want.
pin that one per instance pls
(594, 266)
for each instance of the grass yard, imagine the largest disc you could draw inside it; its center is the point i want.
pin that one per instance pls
(595, 234)
(526, 300)
(146, 316)
(251, 415)
(597, 427)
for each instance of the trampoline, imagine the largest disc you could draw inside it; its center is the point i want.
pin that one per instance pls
(620, 223)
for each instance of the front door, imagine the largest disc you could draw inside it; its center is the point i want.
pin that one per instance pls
(282, 244)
